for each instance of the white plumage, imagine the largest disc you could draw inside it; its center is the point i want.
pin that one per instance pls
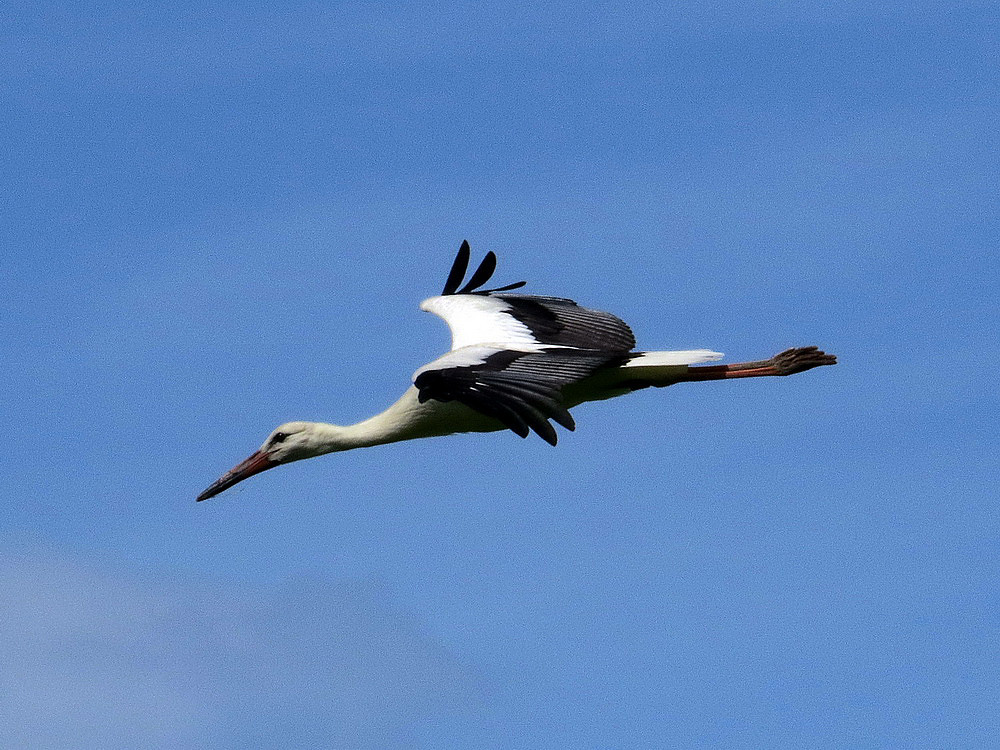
(685, 357)
(478, 319)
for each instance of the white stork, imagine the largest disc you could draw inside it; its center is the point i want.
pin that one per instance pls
(516, 362)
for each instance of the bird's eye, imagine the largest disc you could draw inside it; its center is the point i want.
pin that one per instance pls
(279, 437)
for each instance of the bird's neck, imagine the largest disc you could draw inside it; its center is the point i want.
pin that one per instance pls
(404, 420)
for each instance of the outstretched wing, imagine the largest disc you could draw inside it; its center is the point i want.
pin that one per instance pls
(520, 321)
(521, 389)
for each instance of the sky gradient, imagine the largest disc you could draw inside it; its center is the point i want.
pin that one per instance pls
(218, 218)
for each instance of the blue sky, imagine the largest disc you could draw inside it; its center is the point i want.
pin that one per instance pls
(221, 217)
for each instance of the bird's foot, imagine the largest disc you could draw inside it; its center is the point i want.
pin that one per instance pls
(800, 359)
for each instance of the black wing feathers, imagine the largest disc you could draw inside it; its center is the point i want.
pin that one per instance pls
(480, 277)
(557, 321)
(505, 288)
(458, 269)
(522, 390)
(482, 274)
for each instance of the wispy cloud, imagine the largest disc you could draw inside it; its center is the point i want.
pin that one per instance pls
(96, 657)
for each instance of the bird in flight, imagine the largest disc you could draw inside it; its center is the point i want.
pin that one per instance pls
(517, 362)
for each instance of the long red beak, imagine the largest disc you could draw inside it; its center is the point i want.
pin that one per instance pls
(257, 463)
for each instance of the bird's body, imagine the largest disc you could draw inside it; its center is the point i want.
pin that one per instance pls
(517, 362)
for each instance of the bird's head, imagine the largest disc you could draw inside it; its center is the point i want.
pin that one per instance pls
(291, 441)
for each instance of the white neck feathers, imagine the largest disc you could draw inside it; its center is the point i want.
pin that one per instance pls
(407, 419)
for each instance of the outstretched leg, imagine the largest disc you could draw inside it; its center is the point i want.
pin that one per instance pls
(788, 362)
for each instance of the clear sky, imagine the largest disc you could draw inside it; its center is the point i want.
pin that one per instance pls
(219, 217)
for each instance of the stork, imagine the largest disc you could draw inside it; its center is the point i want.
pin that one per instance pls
(517, 362)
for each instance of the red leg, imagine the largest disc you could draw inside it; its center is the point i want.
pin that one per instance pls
(788, 362)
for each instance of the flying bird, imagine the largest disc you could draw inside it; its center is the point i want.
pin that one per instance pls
(517, 362)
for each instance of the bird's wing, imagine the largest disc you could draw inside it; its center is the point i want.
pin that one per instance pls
(518, 321)
(524, 321)
(521, 389)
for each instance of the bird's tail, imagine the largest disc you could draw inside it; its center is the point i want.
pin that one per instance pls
(645, 360)
(662, 368)
(642, 370)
